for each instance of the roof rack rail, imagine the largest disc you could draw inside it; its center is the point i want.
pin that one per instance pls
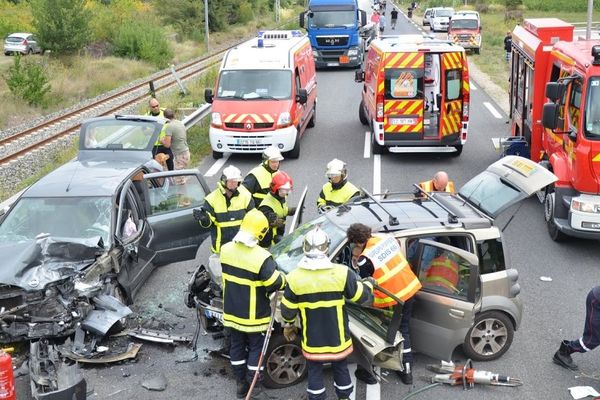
(452, 217)
(393, 220)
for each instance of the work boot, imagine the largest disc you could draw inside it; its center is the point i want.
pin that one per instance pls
(242, 387)
(406, 375)
(563, 356)
(365, 376)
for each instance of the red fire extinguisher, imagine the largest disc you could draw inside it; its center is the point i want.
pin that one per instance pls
(7, 378)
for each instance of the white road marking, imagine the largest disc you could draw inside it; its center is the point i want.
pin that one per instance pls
(367, 149)
(376, 173)
(473, 87)
(374, 391)
(217, 165)
(492, 110)
(352, 369)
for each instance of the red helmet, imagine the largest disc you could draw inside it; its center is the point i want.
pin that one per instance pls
(281, 180)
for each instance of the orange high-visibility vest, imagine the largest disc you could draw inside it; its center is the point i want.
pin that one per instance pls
(392, 271)
(428, 186)
(442, 272)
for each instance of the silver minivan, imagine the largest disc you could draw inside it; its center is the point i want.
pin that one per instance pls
(24, 43)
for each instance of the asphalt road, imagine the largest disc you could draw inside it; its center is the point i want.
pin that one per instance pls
(553, 310)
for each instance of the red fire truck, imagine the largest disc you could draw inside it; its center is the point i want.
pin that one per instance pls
(555, 107)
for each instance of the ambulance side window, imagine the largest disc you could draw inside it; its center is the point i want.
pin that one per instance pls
(453, 83)
(298, 84)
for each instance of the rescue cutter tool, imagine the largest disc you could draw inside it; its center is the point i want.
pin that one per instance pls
(454, 375)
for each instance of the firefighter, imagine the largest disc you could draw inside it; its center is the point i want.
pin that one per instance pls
(439, 183)
(224, 208)
(443, 272)
(591, 333)
(318, 290)
(249, 275)
(381, 257)
(276, 209)
(338, 190)
(259, 178)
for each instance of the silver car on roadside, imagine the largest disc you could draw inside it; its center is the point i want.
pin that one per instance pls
(23, 43)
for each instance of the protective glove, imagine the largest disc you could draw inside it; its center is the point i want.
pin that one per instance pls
(279, 222)
(370, 282)
(290, 333)
(201, 216)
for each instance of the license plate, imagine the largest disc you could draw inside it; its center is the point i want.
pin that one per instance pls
(333, 64)
(344, 59)
(402, 121)
(248, 141)
(212, 314)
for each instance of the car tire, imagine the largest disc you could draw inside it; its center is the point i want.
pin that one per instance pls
(295, 152)
(7, 53)
(458, 152)
(286, 360)
(362, 116)
(217, 155)
(313, 119)
(549, 204)
(377, 148)
(490, 336)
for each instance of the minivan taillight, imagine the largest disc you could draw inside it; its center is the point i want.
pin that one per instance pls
(379, 108)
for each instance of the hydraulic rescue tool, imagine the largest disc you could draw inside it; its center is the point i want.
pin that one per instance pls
(454, 375)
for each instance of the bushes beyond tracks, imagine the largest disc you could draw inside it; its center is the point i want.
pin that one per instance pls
(143, 41)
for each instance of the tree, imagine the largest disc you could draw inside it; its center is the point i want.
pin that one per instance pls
(61, 25)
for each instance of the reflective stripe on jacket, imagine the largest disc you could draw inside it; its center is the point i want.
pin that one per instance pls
(392, 271)
(249, 275)
(226, 214)
(319, 297)
(335, 197)
(281, 210)
(428, 186)
(442, 272)
(263, 179)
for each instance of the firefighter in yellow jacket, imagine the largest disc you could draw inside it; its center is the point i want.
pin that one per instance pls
(275, 208)
(338, 190)
(249, 275)
(439, 183)
(317, 290)
(380, 256)
(259, 178)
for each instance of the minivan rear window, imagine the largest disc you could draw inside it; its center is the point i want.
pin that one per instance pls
(403, 83)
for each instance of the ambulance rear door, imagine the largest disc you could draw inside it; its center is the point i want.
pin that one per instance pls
(403, 95)
(451, 105)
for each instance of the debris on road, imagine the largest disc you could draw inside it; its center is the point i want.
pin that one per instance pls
(581, 392)
(157, 383)
(545, 278)
(157, 336)
(111, 357)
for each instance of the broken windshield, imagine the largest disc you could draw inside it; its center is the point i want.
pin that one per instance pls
(70, 217)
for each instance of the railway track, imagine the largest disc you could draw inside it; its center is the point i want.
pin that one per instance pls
(31, 139)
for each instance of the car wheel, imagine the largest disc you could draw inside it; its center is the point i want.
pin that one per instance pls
(295, 152)
(458, 152)
(362, 116)
(490, 336)
(377, 148)
(217, 155)
(7, 53)
(284, 363)
(313, 119)
(549, 203)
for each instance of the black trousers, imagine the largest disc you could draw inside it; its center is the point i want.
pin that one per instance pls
(341, 380)
(164, 150)
(245, 352)
(591, 330)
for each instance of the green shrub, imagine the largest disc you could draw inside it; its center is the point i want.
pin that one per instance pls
(144, 41)
(28, 81)
(61, 26)
(245, 13)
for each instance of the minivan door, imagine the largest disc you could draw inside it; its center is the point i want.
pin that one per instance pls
(403, 95)
(451, 95)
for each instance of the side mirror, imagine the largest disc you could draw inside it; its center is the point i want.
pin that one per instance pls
(302, 96)
(359, 76)
(550, 115)
(301, 19)
(363, 17)
(573, 135)
(208, 95)
(555, 90)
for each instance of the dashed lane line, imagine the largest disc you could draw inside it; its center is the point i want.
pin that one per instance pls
(376, 173)
(367, 147)
(492, 110)
(217, 165)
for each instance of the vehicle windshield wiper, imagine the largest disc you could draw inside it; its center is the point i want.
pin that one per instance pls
(233, 96)
(267, 97)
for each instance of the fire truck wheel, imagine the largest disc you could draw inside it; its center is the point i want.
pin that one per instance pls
(361, 114)
(458, 151)
(553, 231)
(217, 155)
(295, 152)
(377, 148)
(313, 119)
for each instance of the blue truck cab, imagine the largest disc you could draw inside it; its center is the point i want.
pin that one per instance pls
(334, 28)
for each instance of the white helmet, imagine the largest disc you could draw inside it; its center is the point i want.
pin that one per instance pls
(231, 173)
(316, 243)
(336, 167)
(272, 153)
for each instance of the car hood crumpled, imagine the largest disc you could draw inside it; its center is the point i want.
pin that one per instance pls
(33, 264)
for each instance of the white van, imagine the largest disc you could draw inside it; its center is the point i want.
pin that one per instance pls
(440, 19)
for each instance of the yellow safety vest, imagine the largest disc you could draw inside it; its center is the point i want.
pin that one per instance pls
(246, 304)
(264, 177)
(335, 197)
(226, 221)
(427, 186)
(281, 210)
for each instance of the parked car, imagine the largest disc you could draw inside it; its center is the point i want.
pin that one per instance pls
(480, 313)
(97, 225)
(24, 43)
(440, 19)
(427, 16)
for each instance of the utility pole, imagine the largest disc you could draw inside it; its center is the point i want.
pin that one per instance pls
(277, 10)
(588, 31)
(206, 25)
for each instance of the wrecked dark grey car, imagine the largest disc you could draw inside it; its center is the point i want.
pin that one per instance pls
(78, 245)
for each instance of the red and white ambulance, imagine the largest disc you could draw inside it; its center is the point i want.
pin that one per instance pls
(265, 95)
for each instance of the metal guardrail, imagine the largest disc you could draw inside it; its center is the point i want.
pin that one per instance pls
(195, 117)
